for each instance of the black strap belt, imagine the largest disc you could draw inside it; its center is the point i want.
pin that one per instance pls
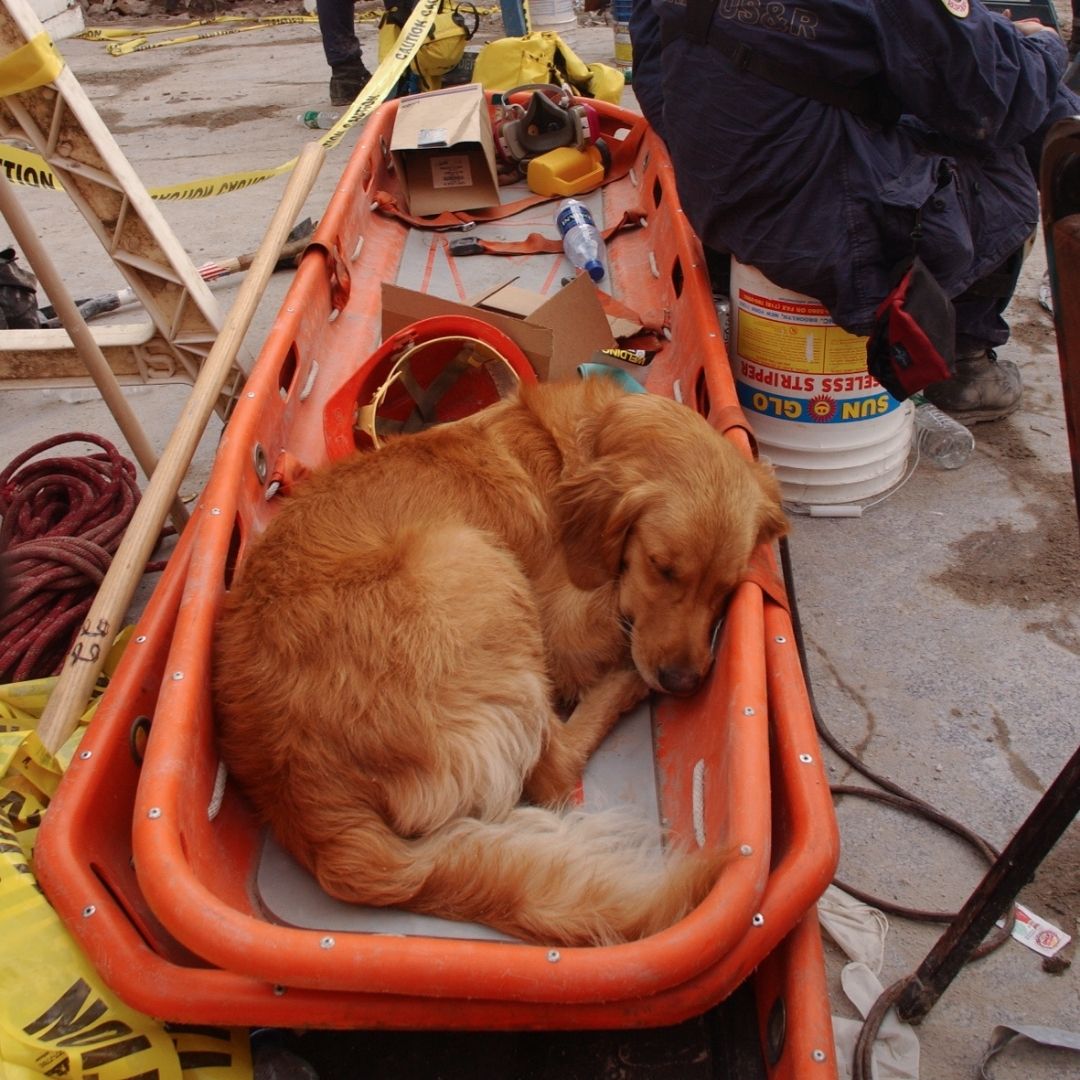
(869, 100)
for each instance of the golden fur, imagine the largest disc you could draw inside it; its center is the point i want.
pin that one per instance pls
(389, 661)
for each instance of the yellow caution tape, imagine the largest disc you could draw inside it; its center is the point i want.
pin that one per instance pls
(126, 40)
(57, 1018)
(31, 65)
(219, 185)
(139, 42)
(118, 33)
(21, 703)
(27, 168)
(31, 170)
(110, 33)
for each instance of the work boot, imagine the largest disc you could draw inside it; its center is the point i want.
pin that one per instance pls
(347, 80)
(18, 294)
(983, 388)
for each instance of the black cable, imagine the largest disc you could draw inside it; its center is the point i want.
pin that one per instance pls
(892, 794)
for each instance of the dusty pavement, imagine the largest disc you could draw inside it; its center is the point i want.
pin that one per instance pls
(943, 626)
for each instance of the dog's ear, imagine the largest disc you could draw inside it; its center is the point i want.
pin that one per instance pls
(596, 508)
(772, 522)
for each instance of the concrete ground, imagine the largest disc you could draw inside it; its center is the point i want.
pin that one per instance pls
(942, 627)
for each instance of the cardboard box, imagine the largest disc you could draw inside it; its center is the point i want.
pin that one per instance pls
(444, 151)
(556, 333)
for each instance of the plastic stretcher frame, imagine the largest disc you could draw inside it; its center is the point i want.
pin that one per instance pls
(159, 894)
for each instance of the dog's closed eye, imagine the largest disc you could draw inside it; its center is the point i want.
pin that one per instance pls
(664, 569)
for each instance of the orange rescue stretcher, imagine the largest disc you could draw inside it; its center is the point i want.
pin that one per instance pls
(153, 858)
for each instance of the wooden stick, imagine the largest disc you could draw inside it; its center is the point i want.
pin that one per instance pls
(83, 664)
(82, 337)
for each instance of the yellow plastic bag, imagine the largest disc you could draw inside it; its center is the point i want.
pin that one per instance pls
(57, 1018)
(543, 57)
(444, 47)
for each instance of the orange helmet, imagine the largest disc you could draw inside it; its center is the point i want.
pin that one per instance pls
(430, 372)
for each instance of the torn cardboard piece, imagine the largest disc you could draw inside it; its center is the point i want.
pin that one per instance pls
(444, 151)
(556, 333)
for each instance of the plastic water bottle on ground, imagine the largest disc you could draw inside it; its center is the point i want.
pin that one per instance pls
(941, 439)
(723, 315)
(319, 118)
(582, 242)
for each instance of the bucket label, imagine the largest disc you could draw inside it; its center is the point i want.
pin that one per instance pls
(799, 337)
(820, 408)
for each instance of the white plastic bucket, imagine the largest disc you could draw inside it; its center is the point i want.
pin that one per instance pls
(832, 432)
(551, 14)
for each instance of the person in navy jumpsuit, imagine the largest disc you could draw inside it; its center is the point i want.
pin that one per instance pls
(824, 201)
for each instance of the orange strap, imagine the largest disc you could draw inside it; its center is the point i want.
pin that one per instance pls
(454, 219)
(340, 277)
(763, 573)
(620, 310)
(762, 567)
(727, 417)
(535, 242)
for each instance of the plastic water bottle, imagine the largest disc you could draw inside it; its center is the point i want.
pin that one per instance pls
(582, 242)
(319, 118)
(941, 439)
(723, 315)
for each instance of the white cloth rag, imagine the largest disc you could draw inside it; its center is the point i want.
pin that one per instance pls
(860, 931)
(857, 928)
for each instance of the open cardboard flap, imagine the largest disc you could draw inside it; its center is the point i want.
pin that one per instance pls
(444, 150)
(556, 333)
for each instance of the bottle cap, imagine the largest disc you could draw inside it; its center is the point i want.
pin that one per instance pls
(595, 269)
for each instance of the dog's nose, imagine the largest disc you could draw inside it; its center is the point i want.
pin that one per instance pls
(680, 681)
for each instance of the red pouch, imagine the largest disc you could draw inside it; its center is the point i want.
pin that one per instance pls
(913, 342)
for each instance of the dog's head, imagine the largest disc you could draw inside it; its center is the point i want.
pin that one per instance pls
(669, 510)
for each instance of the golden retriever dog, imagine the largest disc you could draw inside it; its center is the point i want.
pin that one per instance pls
(391, 661)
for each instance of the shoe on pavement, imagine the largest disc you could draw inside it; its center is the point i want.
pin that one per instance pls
(984, 388)
(347, 80)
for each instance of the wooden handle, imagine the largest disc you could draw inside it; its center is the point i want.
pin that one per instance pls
(85, 660)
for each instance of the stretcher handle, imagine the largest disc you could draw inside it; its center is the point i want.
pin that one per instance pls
(87, 656)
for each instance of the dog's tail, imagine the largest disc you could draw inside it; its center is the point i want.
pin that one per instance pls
(570, 878)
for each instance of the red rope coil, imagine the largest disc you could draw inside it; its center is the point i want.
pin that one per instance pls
(63, 519)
